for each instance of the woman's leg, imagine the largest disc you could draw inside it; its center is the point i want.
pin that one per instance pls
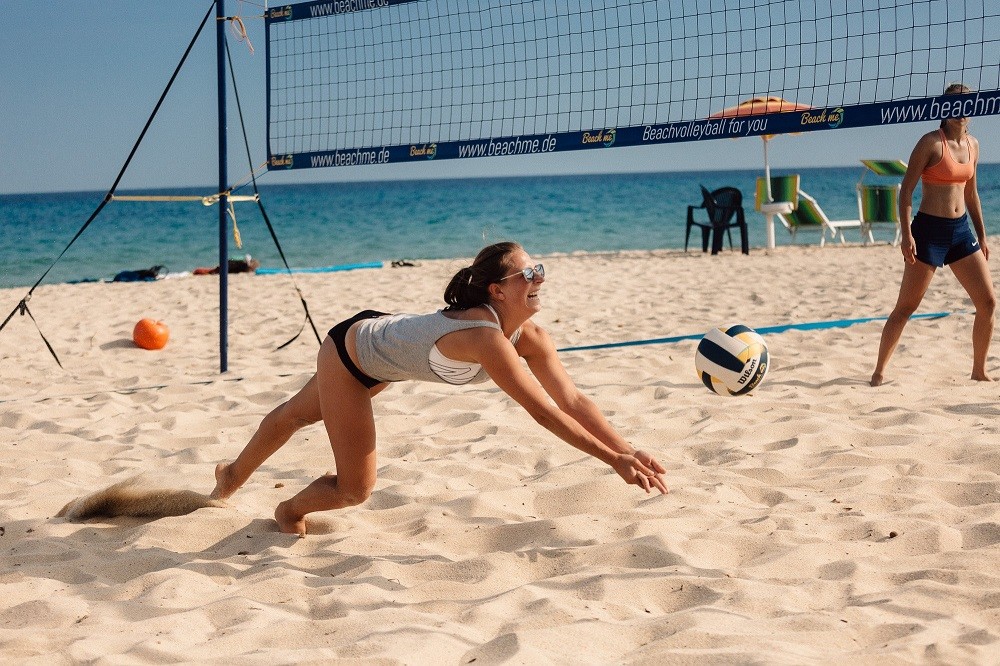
(274, 431)
(974, 274)
(346, 407)
(916, 278)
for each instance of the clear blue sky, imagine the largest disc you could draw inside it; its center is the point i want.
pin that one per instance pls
(78, 81)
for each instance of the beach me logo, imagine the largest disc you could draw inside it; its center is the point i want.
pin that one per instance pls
(281, 161)
(280, 12)
(836, 117)
(428, 150)
(830, 117)
(605, 137)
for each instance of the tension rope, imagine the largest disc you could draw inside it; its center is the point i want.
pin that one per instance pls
(267, 220)
(22, 306)
(239, 31)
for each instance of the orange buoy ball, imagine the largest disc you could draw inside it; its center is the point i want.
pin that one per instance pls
(150, 334)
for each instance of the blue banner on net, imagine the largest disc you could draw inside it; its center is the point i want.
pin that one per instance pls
(862, 115)
(320, 8)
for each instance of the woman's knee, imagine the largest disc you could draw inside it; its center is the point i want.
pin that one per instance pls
(902, 313)
(987, 304)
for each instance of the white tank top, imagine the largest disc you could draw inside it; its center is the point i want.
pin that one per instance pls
(403, 346)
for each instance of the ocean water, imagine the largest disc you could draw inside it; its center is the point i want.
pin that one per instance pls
(343, 223)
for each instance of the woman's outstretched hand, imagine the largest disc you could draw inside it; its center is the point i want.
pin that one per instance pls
(641, 469)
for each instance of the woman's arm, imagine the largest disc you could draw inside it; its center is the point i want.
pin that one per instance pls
(919, 159)
(500, 360)
(974, 205)
(538, 350)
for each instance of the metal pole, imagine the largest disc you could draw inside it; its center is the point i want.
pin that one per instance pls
(220, 52)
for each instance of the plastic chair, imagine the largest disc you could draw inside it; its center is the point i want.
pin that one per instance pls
(724, 208)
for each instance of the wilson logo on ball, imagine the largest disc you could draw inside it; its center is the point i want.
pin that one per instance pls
(732, 360)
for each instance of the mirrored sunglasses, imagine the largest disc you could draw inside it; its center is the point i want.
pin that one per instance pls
(529, 273)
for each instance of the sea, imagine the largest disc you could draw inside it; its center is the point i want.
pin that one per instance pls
(337, 225)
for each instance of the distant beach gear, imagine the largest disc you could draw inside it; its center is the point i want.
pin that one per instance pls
(732, 360)
(150, 334)
(246, 265)
(141, 275)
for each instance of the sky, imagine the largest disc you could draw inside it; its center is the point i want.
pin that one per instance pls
(79, 80)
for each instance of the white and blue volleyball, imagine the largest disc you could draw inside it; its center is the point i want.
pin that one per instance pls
(732, 360)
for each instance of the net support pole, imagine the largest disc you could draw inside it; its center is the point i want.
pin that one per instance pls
(220, 46)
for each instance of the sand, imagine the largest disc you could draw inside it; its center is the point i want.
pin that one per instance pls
(819, 520)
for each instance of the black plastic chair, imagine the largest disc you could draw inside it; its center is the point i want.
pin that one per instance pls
(724, 208)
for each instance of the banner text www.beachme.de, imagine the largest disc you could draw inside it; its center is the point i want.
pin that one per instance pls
(809, 120)
(953, 106)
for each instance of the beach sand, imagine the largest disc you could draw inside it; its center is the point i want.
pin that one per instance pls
(817, 521)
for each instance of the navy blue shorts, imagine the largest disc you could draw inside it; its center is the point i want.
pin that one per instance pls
(339, 336)
(942, 240)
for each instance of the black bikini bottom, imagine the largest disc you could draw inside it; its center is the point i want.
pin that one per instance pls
(339, 336)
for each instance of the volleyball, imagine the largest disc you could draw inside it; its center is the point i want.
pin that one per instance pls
(732, 360)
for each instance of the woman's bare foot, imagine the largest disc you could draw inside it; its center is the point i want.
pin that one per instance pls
(877, 379)
(224, 483)
(981, 377)
(288, 522)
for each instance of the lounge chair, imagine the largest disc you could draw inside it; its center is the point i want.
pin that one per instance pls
(809, 215)
(806, 213)
(879, 204)
(783, 188)
(724, 208)
(780, 194)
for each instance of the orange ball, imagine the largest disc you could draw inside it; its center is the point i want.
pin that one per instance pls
(150, 334)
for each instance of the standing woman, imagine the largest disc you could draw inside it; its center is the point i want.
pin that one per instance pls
(945, 161)
(483, 334)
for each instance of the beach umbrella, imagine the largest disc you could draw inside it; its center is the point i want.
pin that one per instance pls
(756, 106)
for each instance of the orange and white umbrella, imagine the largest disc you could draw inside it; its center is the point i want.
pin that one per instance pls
(756, 106)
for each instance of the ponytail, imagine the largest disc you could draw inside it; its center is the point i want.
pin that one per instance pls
(470, 287)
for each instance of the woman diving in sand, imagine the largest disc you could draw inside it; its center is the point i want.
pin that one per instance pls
(482, 334)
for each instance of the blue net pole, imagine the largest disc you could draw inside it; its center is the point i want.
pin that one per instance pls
(220, 44)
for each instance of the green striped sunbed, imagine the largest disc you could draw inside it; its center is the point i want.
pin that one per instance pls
(878, 204)
(809, 215)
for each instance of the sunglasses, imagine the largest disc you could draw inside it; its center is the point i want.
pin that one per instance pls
(529, 274)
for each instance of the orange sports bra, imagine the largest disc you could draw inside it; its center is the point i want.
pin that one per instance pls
(947, 171)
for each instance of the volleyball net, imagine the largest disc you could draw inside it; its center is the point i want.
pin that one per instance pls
(353, 82)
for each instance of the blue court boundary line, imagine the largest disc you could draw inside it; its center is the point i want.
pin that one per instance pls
(764, 330)
(320, 269)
